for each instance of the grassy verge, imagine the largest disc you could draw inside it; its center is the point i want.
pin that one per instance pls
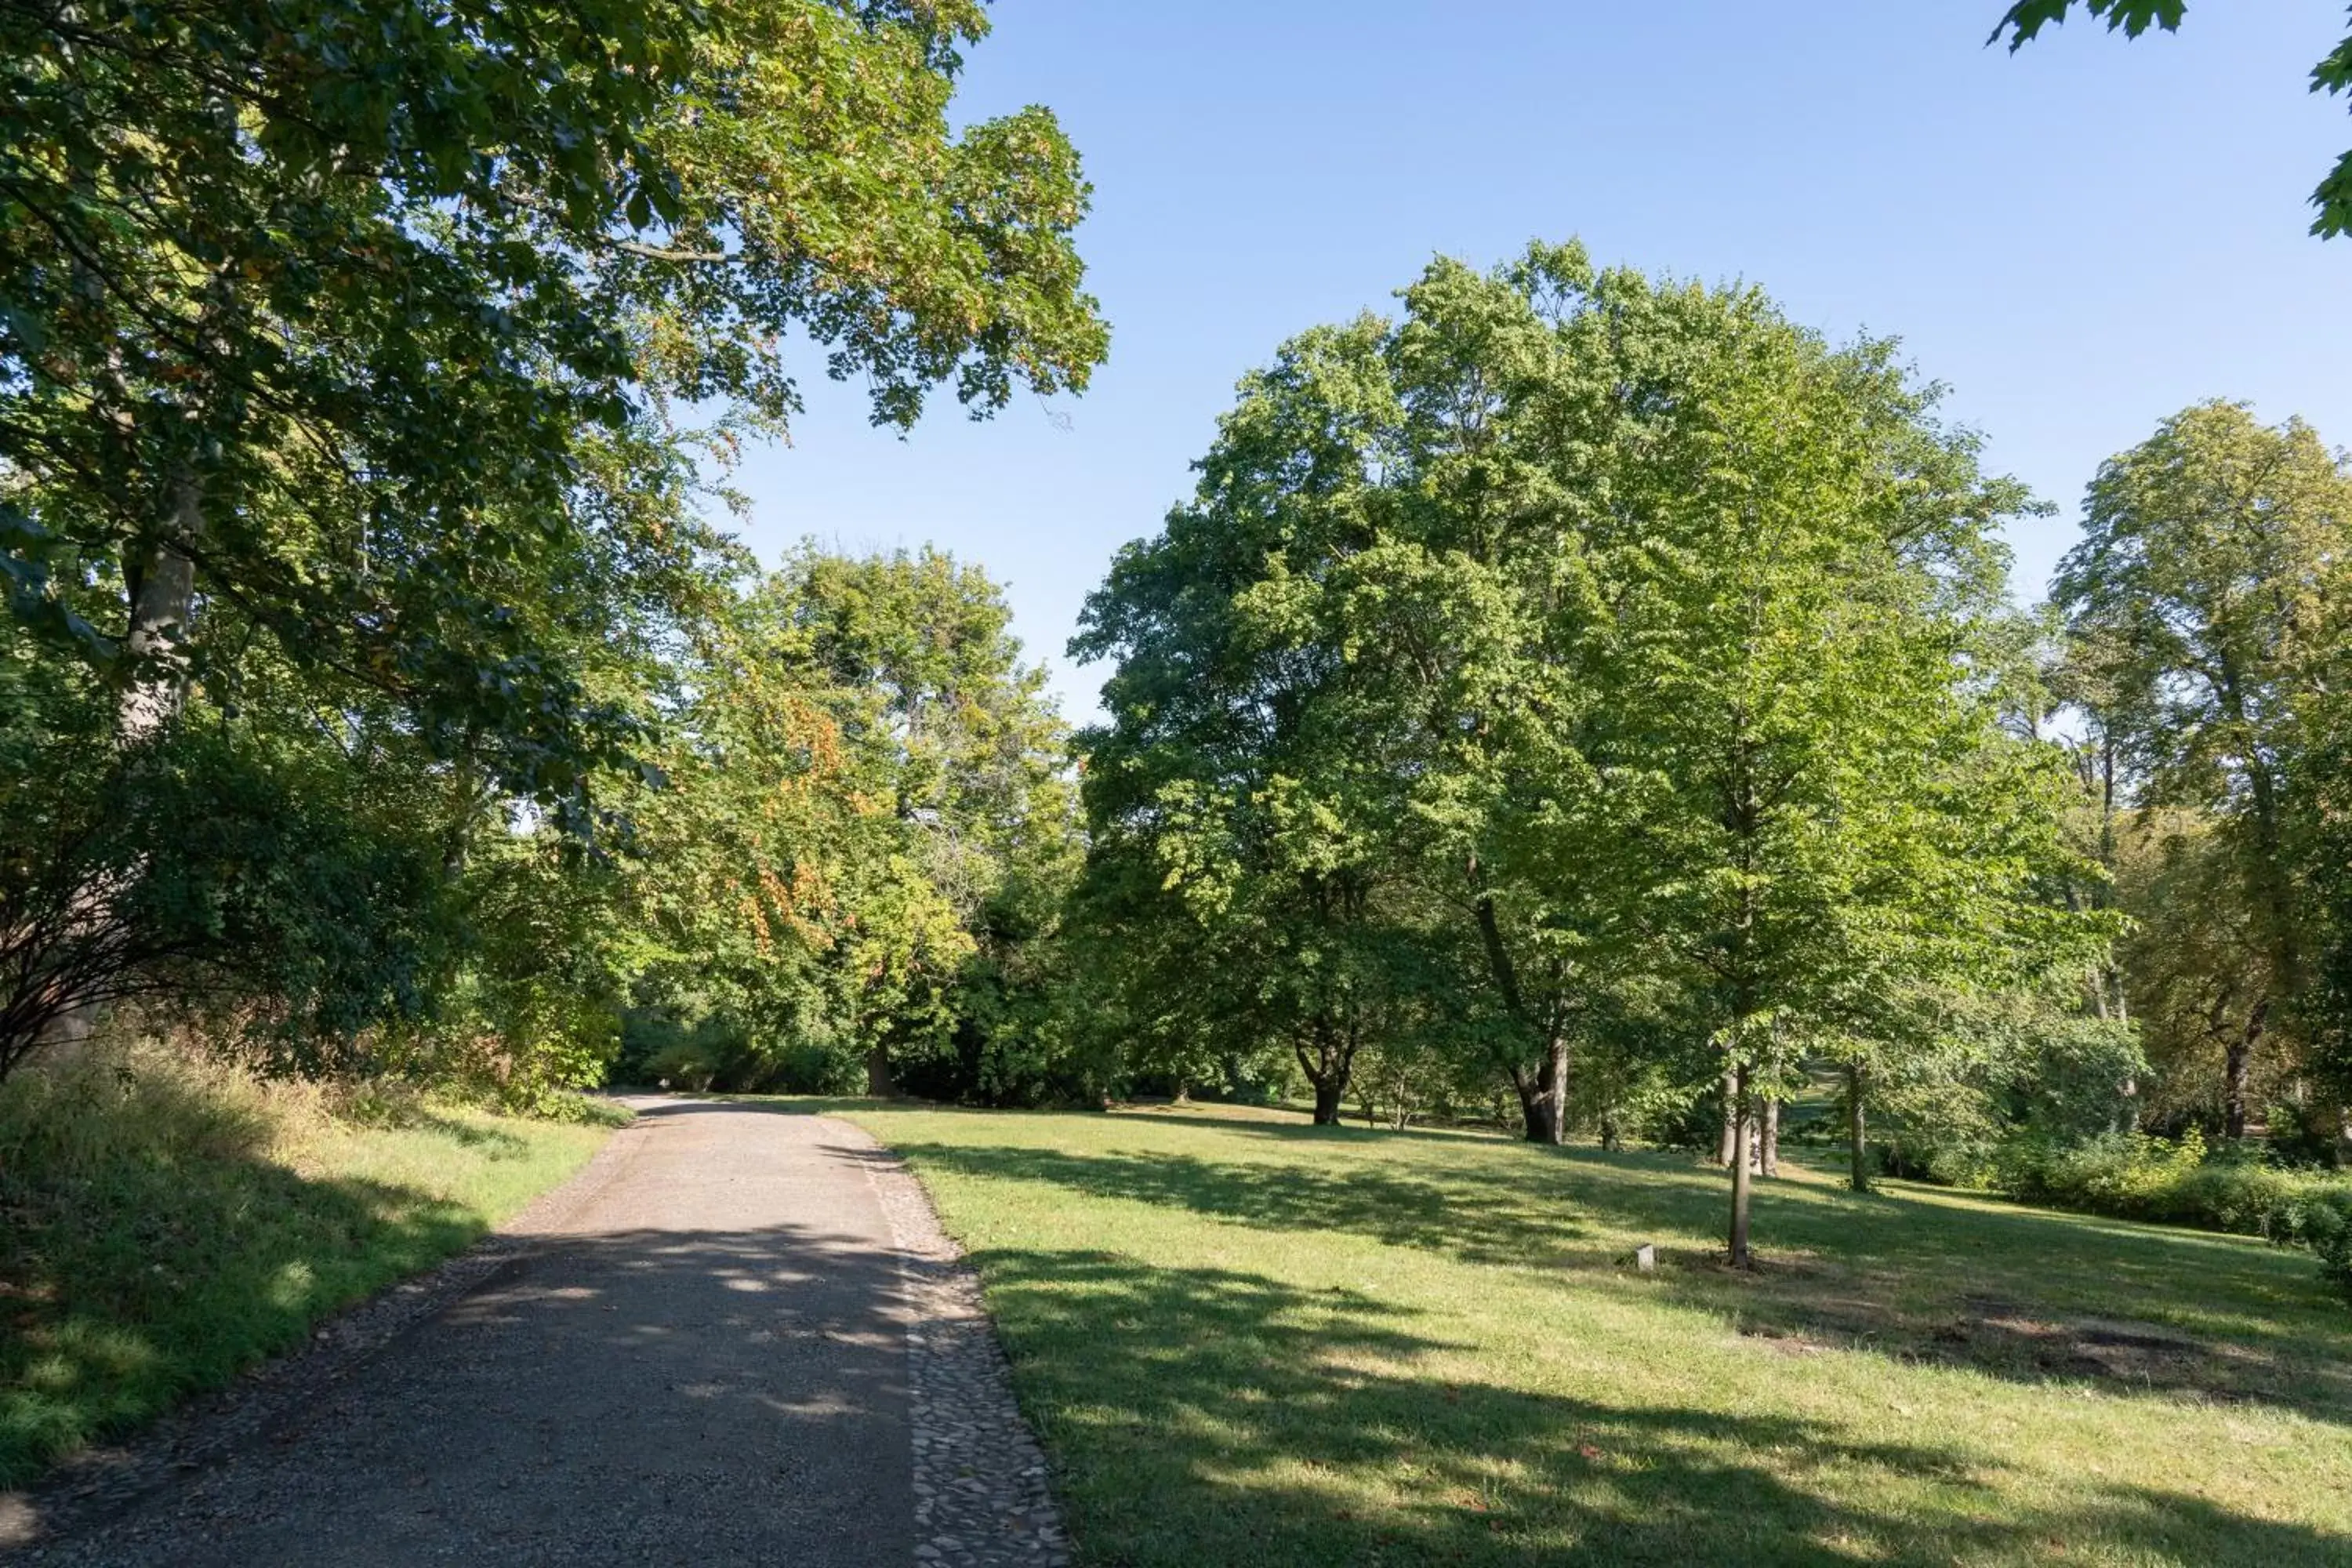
(1250, 1341)
(164, 1225)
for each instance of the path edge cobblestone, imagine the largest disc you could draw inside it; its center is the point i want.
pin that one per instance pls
(983, 1491)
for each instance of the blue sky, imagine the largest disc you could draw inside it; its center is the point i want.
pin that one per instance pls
(2079, 239)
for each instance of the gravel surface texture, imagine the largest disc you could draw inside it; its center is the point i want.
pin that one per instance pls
(739, 1337)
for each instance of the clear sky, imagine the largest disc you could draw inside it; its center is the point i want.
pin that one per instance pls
(2079, 239)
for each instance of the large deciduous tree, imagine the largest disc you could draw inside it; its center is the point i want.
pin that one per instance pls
(1613, 632)
(1244, 791)
(1815, 806)
(2201, 603)
(346, 344)
(313, 304)
(963, 755)
(864, 781)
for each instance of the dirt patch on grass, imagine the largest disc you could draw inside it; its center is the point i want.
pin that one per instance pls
(2134, 1354)
(2010, 1339)
(1782, 1342)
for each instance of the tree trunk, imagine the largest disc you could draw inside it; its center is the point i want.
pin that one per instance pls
(2238, 1071)
(1544, 1101)
(162, 606)
(878, 1072)
(1534, 1120)
(163, 583)
(1857, 1130)
(1543, 1104)
(1327, 1069)
(1768, 1146)
(1742, 1181)
(1730, 1121)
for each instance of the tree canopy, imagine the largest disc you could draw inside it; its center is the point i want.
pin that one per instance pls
(1576, 634)
(321, 315)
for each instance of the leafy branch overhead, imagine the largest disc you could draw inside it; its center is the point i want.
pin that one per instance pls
(2332, 74)
(347, 324)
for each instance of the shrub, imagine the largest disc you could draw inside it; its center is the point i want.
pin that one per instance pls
(576, 1110)
(714, 1059)
(2304, 1135)
(2133, 1176)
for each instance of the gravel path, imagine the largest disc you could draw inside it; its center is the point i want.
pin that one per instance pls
(739, 1337)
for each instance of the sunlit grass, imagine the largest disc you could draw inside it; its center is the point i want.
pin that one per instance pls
(169, 1223)
(1252, 1342)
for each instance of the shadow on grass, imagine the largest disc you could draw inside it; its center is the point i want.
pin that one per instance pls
(1209, 1416)
(2018, 1293)
(1280, 1121)
(207, 1274)
(466, 1134)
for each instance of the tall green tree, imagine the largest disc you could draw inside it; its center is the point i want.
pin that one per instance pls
(965, 757)
(1815, 804)
(348, 344)
(2198, 605)
(1365, 573)
(2324, 805)
(1248, 783)
(1611, 631)
(865, 784)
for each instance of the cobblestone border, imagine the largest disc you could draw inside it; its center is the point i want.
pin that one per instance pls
(982, 1496)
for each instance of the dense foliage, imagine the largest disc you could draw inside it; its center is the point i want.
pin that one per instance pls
(364, 581)
(1581, 663)
(1583, 702)
(1602, 692)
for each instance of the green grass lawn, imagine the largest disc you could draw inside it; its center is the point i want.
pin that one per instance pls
(164, 1225)
(1247, 1341)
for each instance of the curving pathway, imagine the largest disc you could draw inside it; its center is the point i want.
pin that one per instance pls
(739, 1337)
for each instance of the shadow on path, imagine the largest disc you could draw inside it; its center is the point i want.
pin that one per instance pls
(682, 1375)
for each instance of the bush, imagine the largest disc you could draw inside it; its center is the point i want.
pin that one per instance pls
(2322, 1220)
(2132, 1175)
(717, 1055)
(2304, 1135)
(2129, 1174)
(575, 1109)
